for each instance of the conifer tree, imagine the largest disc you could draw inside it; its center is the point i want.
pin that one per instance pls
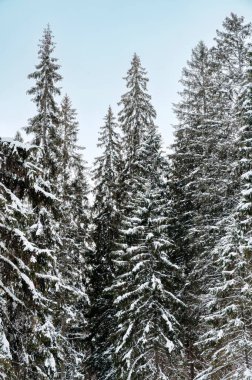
(31, 342)
(227, 342)
(47, 230)
(231, 50)
(200, 183)
(137, 112)
(55, 131)
(72, 262)
(186, 163)
(45, 125)
(13, 275)
(147, 332)
(230, 54)
(106, 220)
(135, 117)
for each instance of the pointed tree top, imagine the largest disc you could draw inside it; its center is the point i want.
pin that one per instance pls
(66, 100)
(46, 43)
(232, 20)
(234, 23)
(136, 59)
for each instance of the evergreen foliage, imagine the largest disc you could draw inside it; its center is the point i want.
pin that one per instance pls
(227, 341)
(135, 118)
(26, 264)
(137, 112)
(45, 125)
(72, 192)
(106, 219)
(197, 189)
(204, 170)
(146, 335)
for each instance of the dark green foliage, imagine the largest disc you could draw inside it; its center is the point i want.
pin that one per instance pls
(45, 124)
(195, 180)
(135, 117)
(227, 339)
(106, 220)
(146, 337)
(72, 261)
(26, 265)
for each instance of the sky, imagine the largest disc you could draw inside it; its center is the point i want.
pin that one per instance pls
(95, 42)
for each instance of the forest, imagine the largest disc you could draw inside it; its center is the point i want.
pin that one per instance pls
(140, 268)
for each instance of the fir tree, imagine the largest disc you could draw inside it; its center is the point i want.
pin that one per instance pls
(227, 343)
(230, 54)
(72, 262)
(30, 339)
(45, 125)
(231, 51)
(147, 332)
(201, 183)
(135, 117)
(106, 220)
(47, 229)
(137, 112)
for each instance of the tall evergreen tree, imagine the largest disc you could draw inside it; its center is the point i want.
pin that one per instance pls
(29, 336)
(45, 125)
(192, 173)
(106, 220)
(49, 232)
(144, 288)
(146, 331)
(72, 262)
(230, 54)
(231, 50)
(201, 183)
(227, 342)
(135, 117)
(137, 112)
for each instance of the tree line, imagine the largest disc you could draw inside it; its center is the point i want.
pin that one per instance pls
(153, 279)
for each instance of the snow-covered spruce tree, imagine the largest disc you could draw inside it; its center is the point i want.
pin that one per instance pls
(230, 59)
(135, 117)
(137, 112)
(45, 124)
(145, 339)
(5, 355)
(106, 220)
(72, 192)
(230, 54)
(13, 215)
(30, 341)
(200, 184)
(231, 50)
(227, 345)
(48, 233)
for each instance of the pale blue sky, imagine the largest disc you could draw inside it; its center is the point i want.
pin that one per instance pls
(95, 43)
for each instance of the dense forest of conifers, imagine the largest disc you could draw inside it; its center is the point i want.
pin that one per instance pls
(153, 279)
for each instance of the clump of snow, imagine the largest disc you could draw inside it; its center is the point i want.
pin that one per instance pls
(16, 144)
(4, 344)
(50, 363)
